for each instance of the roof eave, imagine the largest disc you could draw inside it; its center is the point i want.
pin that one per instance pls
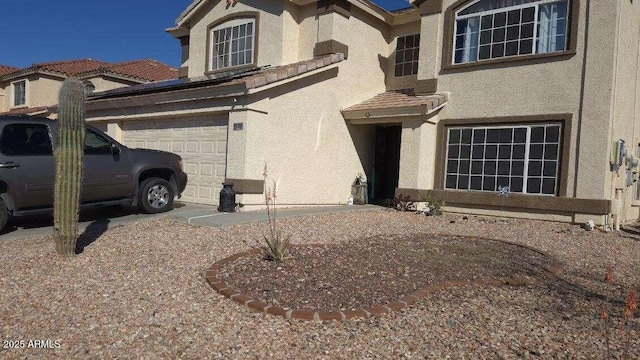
(178, 31)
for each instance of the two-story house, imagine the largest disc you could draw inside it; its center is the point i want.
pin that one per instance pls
(34, 90)
(511, 107)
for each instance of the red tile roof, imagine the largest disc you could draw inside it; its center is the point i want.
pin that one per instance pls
(70, 67)
(7, 69)
(145, 70)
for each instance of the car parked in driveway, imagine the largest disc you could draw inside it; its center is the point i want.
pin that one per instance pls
(113, 173)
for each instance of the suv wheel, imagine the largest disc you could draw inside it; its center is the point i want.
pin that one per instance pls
(4, 215)
(156, 196)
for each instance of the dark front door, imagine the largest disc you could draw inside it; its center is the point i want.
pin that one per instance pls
(386, 162)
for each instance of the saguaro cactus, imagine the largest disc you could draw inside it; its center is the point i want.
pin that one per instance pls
(69, 150)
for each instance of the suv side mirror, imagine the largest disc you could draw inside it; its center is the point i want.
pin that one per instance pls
(115, 150)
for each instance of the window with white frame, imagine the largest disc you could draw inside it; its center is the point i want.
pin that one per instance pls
(232, 44)
(491, 29)
(524, 158)
(20, 93)
(407, 49)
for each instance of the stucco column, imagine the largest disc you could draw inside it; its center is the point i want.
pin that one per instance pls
(114, 129)
(409, 154)
(430, 45)
(594, 180)
(236, 144)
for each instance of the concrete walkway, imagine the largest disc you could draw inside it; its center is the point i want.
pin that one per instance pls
(197, 214)
(211, 217)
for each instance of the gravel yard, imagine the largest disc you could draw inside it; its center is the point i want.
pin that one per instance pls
(138, 291)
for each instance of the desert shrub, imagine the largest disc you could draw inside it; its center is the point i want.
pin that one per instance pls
(277, 244)
(433, 206)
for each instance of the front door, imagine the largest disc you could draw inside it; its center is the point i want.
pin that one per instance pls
(386, 166)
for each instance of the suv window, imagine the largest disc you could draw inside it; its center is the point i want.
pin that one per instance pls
(25, 140)
(96, 144)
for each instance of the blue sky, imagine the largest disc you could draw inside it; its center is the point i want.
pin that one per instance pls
(35, 31)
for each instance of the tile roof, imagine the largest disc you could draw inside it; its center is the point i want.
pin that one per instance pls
(279, 73)
(69, 67)
(250, 78)
(396, 101)
(25, 111)
(7, 69)
(400, 98)
(145, 70)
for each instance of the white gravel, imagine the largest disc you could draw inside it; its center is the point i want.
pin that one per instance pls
(138, 291)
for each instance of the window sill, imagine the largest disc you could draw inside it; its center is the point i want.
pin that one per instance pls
(509, 60)
(230, 68)
(522, 201)
(25, 106)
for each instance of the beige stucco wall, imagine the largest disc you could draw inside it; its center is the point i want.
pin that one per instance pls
(297, 127)
(270, 41)
(310, 151)
(42, 90)
(543, 86)
(625, 106)
(308, 31)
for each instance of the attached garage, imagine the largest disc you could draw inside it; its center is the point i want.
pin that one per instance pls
(200, 141)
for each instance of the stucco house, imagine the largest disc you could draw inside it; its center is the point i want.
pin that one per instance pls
(459, 98)
(34, 90)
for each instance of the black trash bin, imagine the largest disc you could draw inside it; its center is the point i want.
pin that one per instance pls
(227, 198)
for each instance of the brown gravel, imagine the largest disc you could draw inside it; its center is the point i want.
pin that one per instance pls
(374, 271)
(138, 291)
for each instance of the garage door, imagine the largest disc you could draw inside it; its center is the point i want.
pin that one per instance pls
(202, 143)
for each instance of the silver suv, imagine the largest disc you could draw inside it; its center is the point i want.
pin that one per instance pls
(113, 173)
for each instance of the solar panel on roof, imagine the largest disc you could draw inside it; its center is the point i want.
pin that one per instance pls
(173, 84)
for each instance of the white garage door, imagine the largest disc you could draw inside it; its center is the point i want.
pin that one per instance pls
(201, 142)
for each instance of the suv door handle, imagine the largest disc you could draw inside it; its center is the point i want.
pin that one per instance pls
(9, 165)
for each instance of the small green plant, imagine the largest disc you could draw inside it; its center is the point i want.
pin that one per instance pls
(68, 153)
(433, 206)
(631, 304)
(277, 245)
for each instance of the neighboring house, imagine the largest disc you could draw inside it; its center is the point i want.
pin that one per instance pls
(34, 90)
(459, 98)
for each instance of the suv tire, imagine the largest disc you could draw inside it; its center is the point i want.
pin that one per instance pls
(4, 215)
(155, 196)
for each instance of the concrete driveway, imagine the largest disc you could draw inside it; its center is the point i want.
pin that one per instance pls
(105, 217)
(204, 215)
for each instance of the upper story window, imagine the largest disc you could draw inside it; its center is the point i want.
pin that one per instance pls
(232, 43)
(89, 88)
(20, 93)
(491, 29)
(407, 50)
